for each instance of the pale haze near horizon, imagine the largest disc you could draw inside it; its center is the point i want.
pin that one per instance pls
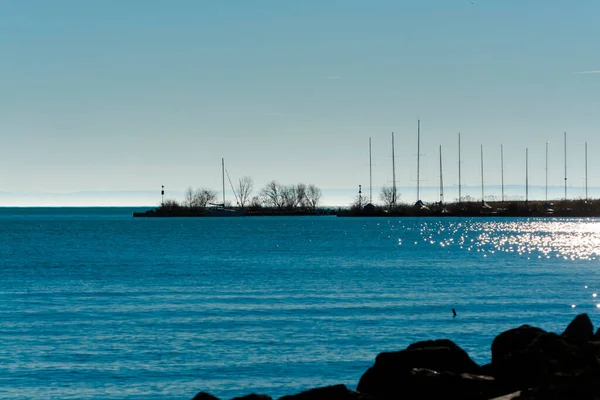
(111, 97)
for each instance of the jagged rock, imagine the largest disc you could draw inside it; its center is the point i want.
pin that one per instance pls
(204, 396)
(392, 371)
(429, 384)
(513, 340)
(254, 396)
(580, 330)
(572, 391)
(596, 337)
(547, 358)
(335, 392)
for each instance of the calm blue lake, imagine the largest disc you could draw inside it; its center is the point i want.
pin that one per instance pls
(97, 305)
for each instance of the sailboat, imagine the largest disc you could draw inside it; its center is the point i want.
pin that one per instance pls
(443, 210)
(419, 204)
(217, 209)
(221, 209)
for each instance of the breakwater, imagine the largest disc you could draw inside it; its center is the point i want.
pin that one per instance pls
(562, 208)
(527, 363)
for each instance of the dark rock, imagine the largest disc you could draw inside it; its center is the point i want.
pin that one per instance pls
(548, 357)
(204, 396)
(580, 330)
(565, 387)
(513, 340)
(425, 344)
(392, 371)
(335, 392)
(254, 396)
(429, 384)
(596, 337)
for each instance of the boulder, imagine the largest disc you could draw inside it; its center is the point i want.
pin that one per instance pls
(254, 396)
(392, 374)
(547, 358)
(596, 337)
(335, 392)
(513, 340)
(429, 384)
(204, 396)
(580, 330)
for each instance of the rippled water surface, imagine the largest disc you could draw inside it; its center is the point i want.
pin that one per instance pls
(95, 304)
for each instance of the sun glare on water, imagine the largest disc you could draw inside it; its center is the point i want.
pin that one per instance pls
(567, 239)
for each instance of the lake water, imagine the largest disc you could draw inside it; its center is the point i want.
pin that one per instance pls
(97, 305)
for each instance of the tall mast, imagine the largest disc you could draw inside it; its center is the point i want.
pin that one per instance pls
(546, 171)
(223, 174)
(393, 172)
(502, 169)
(565, 165)
(441, 179)
(482, 193)
(459, 177)
(526, 175)
(370, 175)
(586, 172)
(418, 160)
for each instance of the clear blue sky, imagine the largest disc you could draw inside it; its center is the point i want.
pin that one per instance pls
(128, 95)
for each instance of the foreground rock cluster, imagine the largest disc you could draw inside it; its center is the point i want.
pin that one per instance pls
(527, 363)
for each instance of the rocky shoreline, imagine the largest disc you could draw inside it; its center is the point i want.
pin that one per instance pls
(527, 363)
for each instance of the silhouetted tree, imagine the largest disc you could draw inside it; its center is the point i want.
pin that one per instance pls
(357, 204)
(313, 196)
(288, 196)
(189, 197)
(204, 196)
(245, 186)
(300, 195)
(271, 195)
(389, 196)
(255, 202)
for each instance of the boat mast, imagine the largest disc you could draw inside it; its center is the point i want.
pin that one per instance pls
(370, 175)
(393, 173)
(482, 192)
(502, 169)
(223, 175)
(546, 171)
(526, 175)
(459, 177)
(586, 172)
(441, 179)
(418, 159)
(565, 165)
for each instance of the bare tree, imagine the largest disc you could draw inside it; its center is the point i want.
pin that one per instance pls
(312, 196)
(301, 195)
(357, 204)
(288, 196)
(245, 186)
(189, 197)
(204, 196)
(388, 196)
(255, 202)
(271, 194)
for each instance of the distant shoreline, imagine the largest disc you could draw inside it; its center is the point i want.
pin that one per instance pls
(561, 208)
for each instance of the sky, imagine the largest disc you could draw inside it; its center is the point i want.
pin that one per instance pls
(109, 98)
